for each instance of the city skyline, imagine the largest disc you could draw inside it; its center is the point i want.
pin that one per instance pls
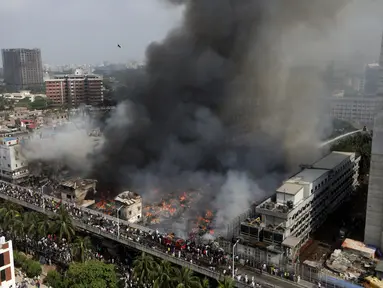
(134, 25)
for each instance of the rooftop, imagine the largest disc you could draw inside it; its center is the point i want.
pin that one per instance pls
(78, 183)
(6, 139)
(127, 197)
(290, 188)
(332, 160)
(307, 176)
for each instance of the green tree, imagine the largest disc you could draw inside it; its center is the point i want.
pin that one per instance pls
(361, 144)
(54, 279)
(226, 283)
(32, 268)
(185, 278)
(91, 274)
(62, 225)
(144, 269)
(205, 283)
(32, 222)
(164, 272)
(80, 248)
(10, 214)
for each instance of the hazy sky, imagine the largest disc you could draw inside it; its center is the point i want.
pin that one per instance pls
(87, 31)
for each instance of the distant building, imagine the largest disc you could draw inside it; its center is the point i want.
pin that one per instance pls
(23, 68)
(360, 110)
(76, 89)
(371, 79)
(17, 96)
(285, 221)
(373, 233)
(380, 89)
(7, 268)
(14, 166)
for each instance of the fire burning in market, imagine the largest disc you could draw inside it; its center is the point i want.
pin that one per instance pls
(174, 207)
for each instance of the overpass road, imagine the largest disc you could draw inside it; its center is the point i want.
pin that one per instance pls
(265, 280)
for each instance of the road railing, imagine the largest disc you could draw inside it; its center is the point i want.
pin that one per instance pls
(159, 254)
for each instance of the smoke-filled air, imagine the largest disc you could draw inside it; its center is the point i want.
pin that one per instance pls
(220, 108)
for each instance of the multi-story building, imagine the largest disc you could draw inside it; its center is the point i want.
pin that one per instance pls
(380, 88)
(13, 165)
(359, 110)
(285, 220)
(76, 89)
(7, 268)
(23, 68)
(373, 233)
(371, 79)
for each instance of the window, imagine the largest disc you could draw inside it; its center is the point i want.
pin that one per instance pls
(130, 212)
(9, 165)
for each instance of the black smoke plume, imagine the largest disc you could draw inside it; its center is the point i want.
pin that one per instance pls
(218, 107)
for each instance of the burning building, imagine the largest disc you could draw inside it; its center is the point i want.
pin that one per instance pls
(170, 207)
(76, 190)
(127, 205)
(132, 206)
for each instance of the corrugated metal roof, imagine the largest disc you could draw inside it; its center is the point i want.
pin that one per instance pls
(332, 160)
(357, 246)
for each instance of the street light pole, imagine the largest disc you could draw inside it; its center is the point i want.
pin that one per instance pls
(118, 222)
(233, 273)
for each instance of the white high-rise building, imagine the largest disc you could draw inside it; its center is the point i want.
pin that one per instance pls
(285, 220)
(374, 211)
(380, 89)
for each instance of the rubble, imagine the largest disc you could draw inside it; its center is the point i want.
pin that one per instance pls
(349, 265)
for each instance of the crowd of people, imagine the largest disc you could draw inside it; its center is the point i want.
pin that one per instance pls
(207, 255)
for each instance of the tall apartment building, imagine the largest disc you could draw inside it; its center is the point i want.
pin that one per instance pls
(7, 268)
(380, 89)
(76, 89)
(23, 68)
(284, 221)
(373, 233)
(371, 79)
(13, 165)
(361, 110)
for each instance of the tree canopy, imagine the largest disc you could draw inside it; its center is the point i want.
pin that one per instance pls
(91, 274)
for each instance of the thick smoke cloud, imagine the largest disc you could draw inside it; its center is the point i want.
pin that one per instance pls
(68, 144)
(220, 106)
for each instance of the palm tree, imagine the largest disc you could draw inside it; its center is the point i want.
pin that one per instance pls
(205, 283)
(62, 225)
(32, 222)
(164, 275)
(10, 213)
(80, 247)
(226, 283)
(44, 226)
(144, 269)
(184, 278)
